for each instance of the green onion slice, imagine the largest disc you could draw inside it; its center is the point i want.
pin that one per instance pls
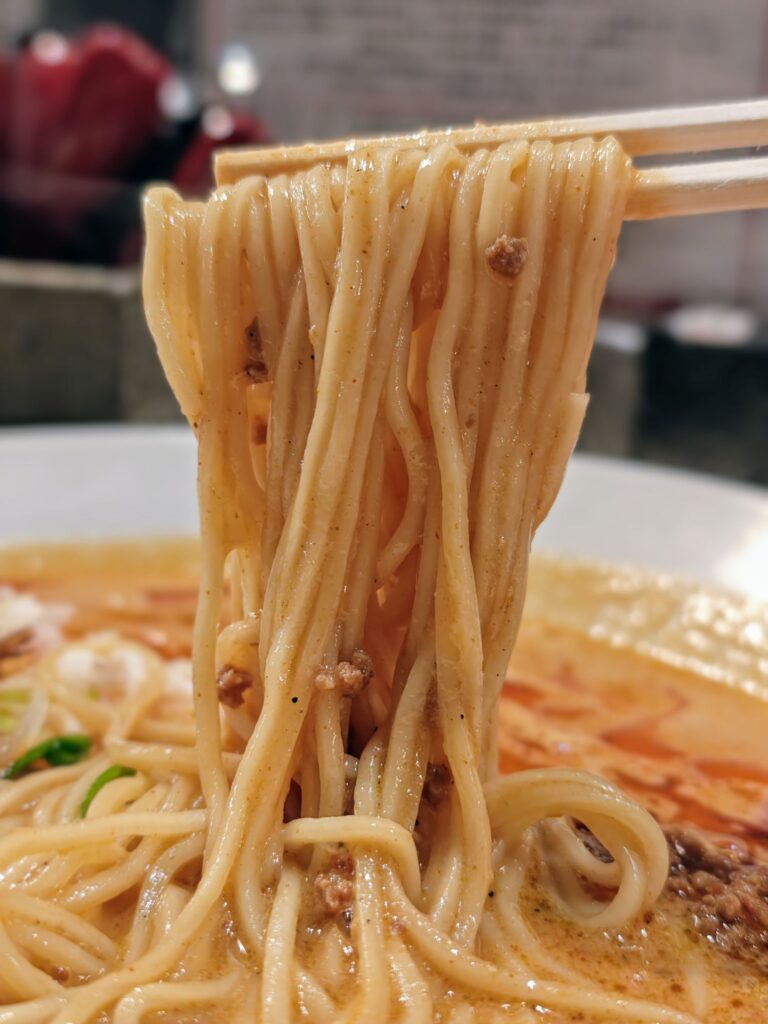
(116, 771)
(12, 706)
(57, 751)
(11, 696)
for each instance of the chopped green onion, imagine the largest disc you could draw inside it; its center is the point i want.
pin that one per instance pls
(117, 771)
(58, 751)
(10, 707)
(8, 722)
(15, 696)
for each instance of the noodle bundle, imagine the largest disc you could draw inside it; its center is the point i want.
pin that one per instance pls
(384, 364)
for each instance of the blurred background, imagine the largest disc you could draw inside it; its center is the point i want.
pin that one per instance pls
(97, 97)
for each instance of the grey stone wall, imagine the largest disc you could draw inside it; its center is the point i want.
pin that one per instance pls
(74, 347)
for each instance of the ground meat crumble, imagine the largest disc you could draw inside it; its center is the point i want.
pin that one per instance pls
(348, 677)
(335, 886)
(231, 686)
(506, 256)
(727, 890)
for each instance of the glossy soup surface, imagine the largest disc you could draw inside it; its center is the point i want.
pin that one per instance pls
(658, 685)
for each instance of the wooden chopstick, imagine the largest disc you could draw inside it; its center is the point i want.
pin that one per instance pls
(641, 133)
(714, 187)
(659, 192)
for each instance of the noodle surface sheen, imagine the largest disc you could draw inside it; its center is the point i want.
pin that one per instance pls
(384, 365)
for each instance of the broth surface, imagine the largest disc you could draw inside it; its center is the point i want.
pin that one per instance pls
(658, 685)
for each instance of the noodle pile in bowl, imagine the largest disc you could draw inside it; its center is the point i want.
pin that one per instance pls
(384, 364)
